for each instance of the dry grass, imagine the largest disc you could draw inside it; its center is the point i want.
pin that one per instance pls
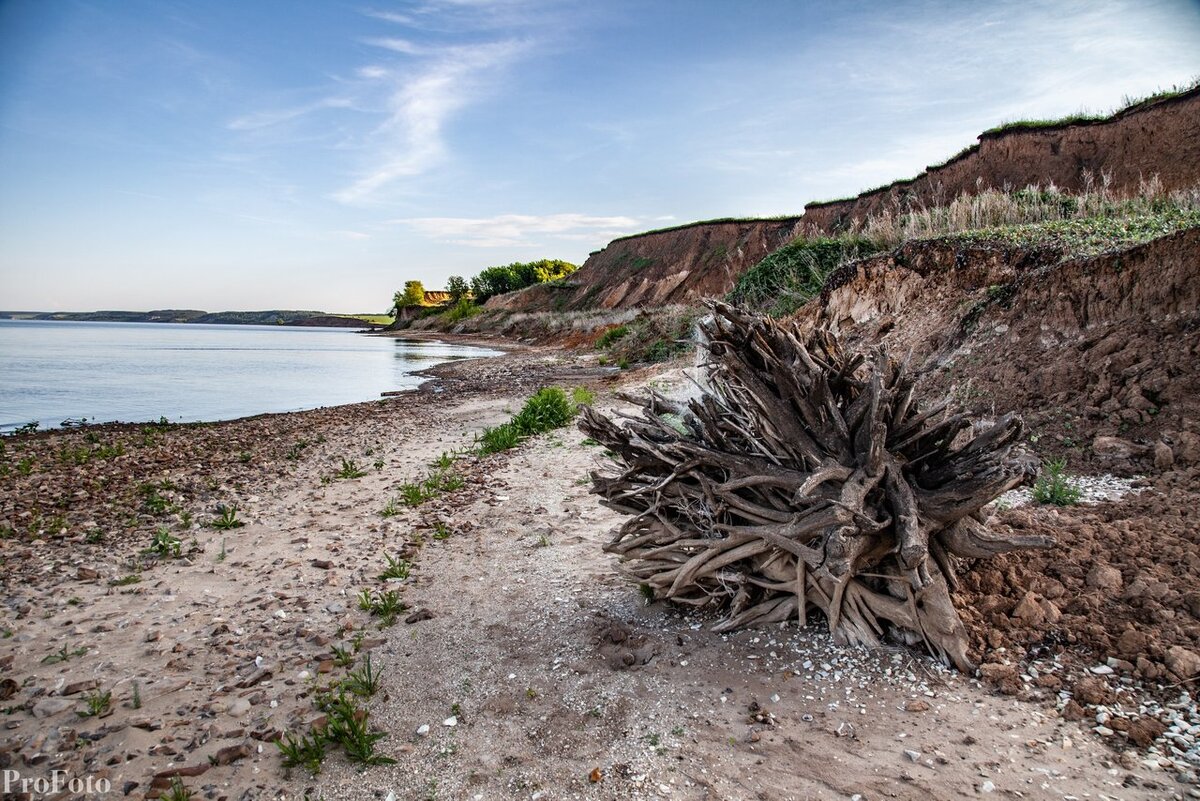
(992, 208)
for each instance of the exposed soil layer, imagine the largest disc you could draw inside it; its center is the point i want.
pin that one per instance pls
(676, 265)
(1101, 356)
(1158, 138)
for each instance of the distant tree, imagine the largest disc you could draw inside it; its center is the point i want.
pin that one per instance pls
(518, 275)
(412, 295)
(458, 288)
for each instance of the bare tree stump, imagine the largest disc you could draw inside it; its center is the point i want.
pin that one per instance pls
(805, 477)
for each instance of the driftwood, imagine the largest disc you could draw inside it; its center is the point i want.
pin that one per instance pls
(803, 477)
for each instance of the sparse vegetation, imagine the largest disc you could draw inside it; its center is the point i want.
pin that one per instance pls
(305, 751)
(786, 279)
(97, 704)
(164, 544)
(396, 568)
(385, 604)
(651, 336)
(350, 470)
(226, 518)
(1054, 487)
(365, 681)
(177, 791)
(63, 654)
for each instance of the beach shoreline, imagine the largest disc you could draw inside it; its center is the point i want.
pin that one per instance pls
(537, 668)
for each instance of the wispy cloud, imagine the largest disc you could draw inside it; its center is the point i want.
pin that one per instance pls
(410, 141)
(508, 230)
(390, 16)
(266, 119)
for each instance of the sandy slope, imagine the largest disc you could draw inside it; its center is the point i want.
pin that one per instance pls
(556, 666)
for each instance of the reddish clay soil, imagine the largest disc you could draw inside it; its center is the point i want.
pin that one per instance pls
(1100, 356)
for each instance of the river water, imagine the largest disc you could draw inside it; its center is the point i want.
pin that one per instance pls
(134, 372)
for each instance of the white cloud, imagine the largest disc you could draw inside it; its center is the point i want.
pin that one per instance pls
(390, 16)
(507, 230)
(266, 119)
(410, 141)
(397, 46)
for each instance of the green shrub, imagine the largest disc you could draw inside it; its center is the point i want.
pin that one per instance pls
(1053, 486)
(547, 409)
(786, 279)
(500, 438)
(611, 335)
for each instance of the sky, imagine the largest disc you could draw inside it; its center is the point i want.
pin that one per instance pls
(316, 154)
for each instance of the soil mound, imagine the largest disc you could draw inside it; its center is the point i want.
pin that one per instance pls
(1100, 356)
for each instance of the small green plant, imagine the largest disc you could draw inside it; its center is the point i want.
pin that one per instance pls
(297, 448)
(623, 363)
(342, 657)
(63, 654)
(98, 703)
(164, 544)
(25, 466)
(365, 681)
(245, 456)
(612, 335)
(494, 440)
(379, 463)
(443, 462)
(647, 592)
(396, 568)
(582, 396)
(545, 410)
(385, 605)
(543, 541)
(1053, 486)
(28, 428)
(391, 509)
(226, 518)
(136, 701)
(306, 751)
(125, 581)
(348, 727)
(443, 481)
(177, 791)
(412, 494)
(350, 470)
(223, 553)
(441, 531)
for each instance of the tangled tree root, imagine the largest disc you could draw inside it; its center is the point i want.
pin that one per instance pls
(804, 476)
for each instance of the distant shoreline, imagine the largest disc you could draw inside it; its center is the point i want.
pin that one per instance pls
(287, 317)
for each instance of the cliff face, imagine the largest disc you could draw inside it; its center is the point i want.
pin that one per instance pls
(1159, 138)
(683, 264)
(676, 265)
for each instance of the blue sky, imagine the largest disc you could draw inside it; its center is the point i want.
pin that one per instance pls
(304, 154)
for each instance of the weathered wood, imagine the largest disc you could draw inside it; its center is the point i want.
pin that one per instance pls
(807, 477)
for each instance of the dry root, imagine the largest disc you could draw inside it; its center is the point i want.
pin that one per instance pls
(806, 477)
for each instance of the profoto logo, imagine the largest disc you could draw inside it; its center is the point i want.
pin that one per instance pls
(57, 782)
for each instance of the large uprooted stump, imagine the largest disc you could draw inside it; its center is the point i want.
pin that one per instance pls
(803, 476)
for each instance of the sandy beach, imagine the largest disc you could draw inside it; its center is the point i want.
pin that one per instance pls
(523, 665)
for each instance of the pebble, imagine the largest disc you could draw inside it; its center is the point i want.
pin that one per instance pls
(451, 721)
(423, 730)
(987, 786)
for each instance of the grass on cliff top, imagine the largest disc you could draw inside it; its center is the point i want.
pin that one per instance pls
(1077, 225)
(1085, 117)
(1090, 236)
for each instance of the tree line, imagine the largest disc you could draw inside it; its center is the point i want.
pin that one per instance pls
(488, 283)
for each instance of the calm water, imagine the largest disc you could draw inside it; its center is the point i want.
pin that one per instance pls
(54, 371)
